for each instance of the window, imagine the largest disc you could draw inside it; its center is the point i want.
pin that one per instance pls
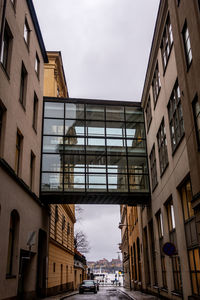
(156, 85)
(153, 253)
(37, 65)
(26, 32)
(23, 86)
(56, 221)
(186, 197)
(12, 243)
(2, 115)
(167, 42)
(6, 48)
(194, 259)
(32, 170)
(187, 45)
(160, 224)
(196, 113)
(175, 117)
(35, 112)
(152, 159)
(54, 267)
(148, 113)
(170, 215)
(13, 3)
(63, 227)
(18, 153)
(162, 147)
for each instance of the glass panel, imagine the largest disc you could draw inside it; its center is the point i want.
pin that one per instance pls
(117, 179)
(74, 111)
(134, 114)
(117, 164)
(95, 146)
(74, 163)
(94, 128)
(74, 127)
(114, 129)
(96, 164)
(135, 130)
(52, 144)
(139, 182)
(136, 147)
(74, 179)
(96, 188)
(115, 113)
(189, 199)
(116, 146)
(53, 127)
(137, 164)
(52, 162)
(96, 182)
(95, 112)
(54, 110)
(75, 145)
(74, 187)
(52, 182)
(184, 202)
(194, 283)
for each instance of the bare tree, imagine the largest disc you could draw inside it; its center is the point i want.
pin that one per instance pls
(81, 243)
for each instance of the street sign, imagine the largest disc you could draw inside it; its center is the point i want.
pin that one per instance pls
(169, 249)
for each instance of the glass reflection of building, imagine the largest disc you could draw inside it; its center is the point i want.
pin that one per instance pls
(96, 147)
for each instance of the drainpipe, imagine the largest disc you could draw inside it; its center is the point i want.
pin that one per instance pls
(2, 23)
(129, 258)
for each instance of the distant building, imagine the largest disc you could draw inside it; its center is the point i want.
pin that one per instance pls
(172, 112)
(61, 233)
(80, 268)
(23, 219)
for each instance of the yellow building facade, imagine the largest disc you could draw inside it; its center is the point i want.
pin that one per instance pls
(62, 219)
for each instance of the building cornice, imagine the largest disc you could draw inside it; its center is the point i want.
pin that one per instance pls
(69, 212)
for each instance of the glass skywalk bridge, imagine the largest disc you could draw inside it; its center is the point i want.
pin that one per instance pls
(94, 152)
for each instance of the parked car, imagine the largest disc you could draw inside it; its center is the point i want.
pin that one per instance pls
(88, 286)
(97, 284)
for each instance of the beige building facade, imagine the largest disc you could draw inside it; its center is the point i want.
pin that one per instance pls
(23, 219)
(61, 232)
(172, 114)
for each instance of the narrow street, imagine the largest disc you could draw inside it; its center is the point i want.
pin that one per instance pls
(104, 293)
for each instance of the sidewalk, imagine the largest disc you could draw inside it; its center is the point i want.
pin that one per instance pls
(62, 296)
(136, 295)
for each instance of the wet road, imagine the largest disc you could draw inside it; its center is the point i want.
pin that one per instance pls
(104, 293)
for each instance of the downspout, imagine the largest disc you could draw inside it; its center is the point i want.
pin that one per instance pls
(2, 23)
(129, 257)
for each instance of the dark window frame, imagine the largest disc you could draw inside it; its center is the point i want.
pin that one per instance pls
(187, 41)
(167, 43)
(156, 85)
(23, 86)
(175, 116)
(35, 112)
(148, 113)
(18, 153)
(196, 116)
(37, 65)
(6, 49)
(153, 167)
(162, 147)
(32, 169)
(26, 32)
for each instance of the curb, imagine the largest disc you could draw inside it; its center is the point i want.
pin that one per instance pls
(69, 295)
(127, 295)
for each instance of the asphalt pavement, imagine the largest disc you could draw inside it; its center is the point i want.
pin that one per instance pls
(104, 293)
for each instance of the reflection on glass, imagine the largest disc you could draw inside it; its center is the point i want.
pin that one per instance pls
(138, 182)
(54, 110)
(53, 127)
(137, 164)
(94, 128)
(136, 147)
(95, 112)
(118, 188)
(95, 164)
(74, 128)
(117, 182)
(75, 145)
(117, 164)
(52, 182)
(135, 130)
(117, 146)
(96, 188)
(96, 179)
(95, 146)
(115, 113)
(134, 114)
(52, 144)
(74, 187)
(114, 129)
(52, 162)
(74, 111)
(74, 163)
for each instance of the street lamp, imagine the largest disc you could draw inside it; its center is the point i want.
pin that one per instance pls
(120, 227)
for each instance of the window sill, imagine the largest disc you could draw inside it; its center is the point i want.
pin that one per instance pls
(163, 289)
(161, 175)
(189, 65)
(27, 44)
(153, 188)
(37, 75)
(22, 105)
(176, 293)
(5, 72)
(177, 146)
(35, 130)
(10, 276)
(156, 100)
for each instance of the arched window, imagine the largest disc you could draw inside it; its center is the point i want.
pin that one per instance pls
(12, 242)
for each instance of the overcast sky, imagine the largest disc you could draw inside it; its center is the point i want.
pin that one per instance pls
(105, 46)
